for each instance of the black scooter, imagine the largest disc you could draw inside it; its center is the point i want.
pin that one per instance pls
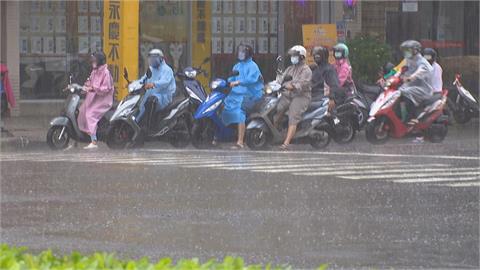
(464, 106)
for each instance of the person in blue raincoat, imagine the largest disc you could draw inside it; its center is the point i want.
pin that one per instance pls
(247, 89)
(160, 86)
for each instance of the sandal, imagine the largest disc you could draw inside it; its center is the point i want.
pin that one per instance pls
(283, 147)
(237, 146)
(413, 122)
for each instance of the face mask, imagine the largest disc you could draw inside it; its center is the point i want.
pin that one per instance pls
(338, 55)
(407, 54)
(241, 56)
(294, 60)
(154, 61)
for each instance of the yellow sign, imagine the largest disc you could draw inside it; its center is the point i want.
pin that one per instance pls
(120, 40)
(201, 36)
(318, 35)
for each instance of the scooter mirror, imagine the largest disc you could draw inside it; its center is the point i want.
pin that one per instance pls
(149, 73)
(279, 59)
(125, 73)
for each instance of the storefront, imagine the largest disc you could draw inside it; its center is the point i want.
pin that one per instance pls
(53, 39)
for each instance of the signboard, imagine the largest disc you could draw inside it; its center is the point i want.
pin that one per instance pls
(318, 35)
(409, 6)
(202, 36)
(120, 40)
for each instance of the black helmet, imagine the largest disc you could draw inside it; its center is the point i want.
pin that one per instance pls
(413, 45)
(247, 49)
(100, 57)
(430, 54)
(387, 68)
(322, 52)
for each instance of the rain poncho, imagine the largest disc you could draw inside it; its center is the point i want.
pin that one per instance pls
(437, 81)
(98, 101)
(7, 87)
(164, 81)
(245, 95)
(344, 72)
(321, 75)
(420, 88)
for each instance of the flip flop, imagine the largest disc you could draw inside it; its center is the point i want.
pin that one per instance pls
(237, 147)
(283, 147)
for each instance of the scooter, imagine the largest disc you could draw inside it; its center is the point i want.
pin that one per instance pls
(312, 129)
(207, 125)
(65, 127)
(191, 86)
(385, 116)
(171, 124)
(465, 105)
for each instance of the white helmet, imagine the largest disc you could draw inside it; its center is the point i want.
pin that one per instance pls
(298, 50)
(155, 52)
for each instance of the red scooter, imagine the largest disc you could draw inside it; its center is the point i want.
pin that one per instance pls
(385, 115)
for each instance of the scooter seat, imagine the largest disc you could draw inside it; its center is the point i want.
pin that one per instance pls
(435, 97)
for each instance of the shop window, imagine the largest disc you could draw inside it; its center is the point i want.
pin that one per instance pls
(165, 25)
(56, 38)
(244, 22)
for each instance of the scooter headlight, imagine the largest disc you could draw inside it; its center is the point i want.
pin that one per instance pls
(191, 74)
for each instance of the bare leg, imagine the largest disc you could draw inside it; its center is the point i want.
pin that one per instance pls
(290, 133)
(241, 133)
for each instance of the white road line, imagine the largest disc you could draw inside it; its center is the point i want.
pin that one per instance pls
(410, 175)
(375, 172)
(436, 179)
(320, 153)
(350, 166)
(244, 165)
(317, 166)
(466, 184)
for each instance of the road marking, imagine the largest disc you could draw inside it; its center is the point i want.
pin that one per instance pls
(317, 166)
(466, 184)
(474, 171)
(436, 179)
(354, 165)
(319, 153)
(375, 172)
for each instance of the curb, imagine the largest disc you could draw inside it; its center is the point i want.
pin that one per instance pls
(20, 143)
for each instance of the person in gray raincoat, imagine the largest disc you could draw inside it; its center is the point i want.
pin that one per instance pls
(417, 85)
(298, 94)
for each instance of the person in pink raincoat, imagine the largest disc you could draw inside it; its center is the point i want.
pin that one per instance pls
(99, 97)
(6, 92)
(343, 68)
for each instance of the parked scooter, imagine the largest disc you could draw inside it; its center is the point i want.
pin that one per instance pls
(207, 125)
(385, 116)
(65, 127)
(191, 86)
(171, 124)
(465, 105)
(312, 129)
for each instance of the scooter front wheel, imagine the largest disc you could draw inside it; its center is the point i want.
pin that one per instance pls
(256, 138)
(377, 131)
(58, 137)
(320, 138)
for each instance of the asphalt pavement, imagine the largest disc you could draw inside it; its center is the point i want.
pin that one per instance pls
(399, 205)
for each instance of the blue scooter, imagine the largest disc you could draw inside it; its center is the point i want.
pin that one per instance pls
(207, 126)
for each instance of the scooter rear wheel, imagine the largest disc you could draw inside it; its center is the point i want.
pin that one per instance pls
(119, 135)
(461, 116)
(437, 132)
(345, 132)
(376, 132)
(54, 141)
(202, 134)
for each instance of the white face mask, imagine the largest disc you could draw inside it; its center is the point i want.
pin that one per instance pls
(407, 54)
(294, 59)
(338, 55)
(241, 56)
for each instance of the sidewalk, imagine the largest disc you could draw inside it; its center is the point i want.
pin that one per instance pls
(24, 131)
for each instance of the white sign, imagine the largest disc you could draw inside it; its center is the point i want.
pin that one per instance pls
(410, 6)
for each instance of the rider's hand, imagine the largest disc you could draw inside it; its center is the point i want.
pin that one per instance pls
(149, 86)
(235, 83)
(289, 87)
(87, 88)
(331, 104)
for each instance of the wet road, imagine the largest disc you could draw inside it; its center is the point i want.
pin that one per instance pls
(399, 205)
